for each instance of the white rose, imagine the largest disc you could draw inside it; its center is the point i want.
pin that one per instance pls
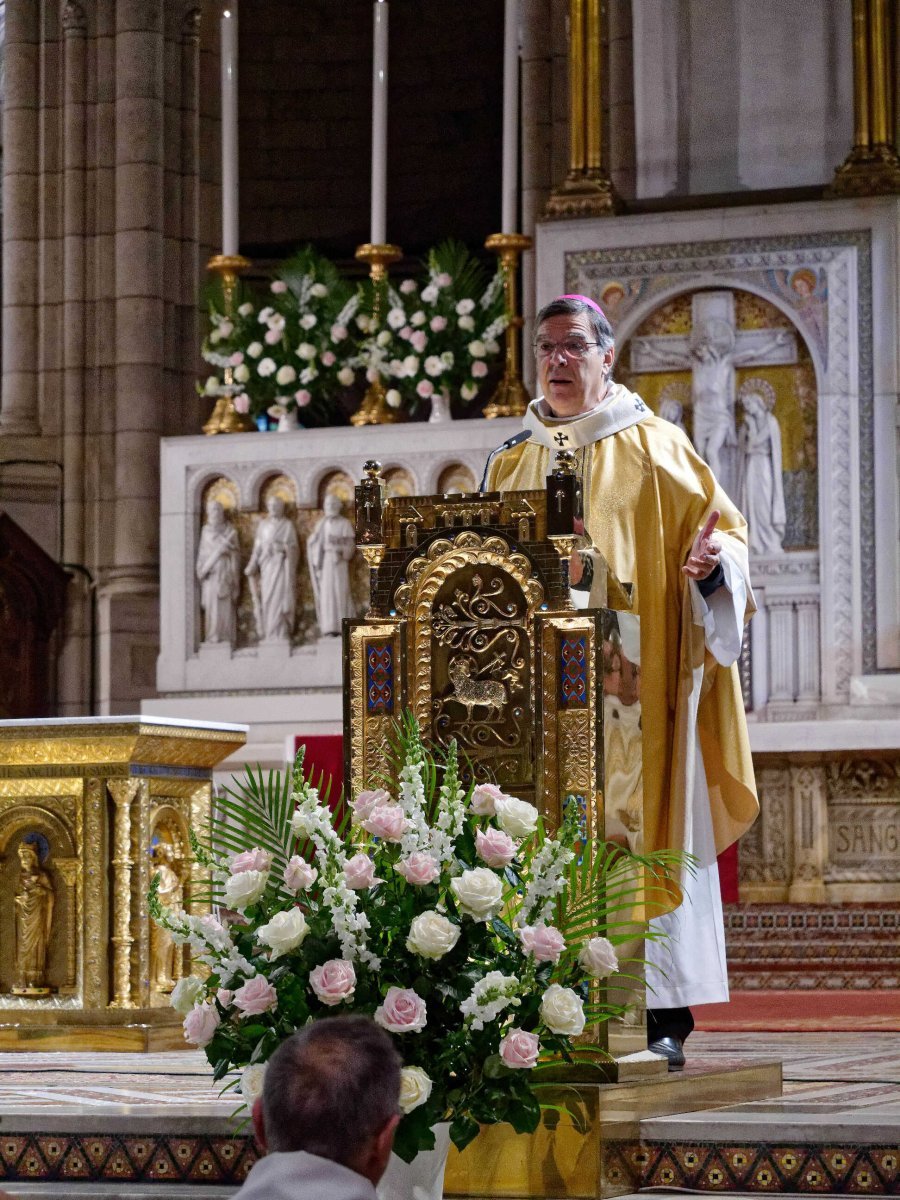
(245, 888)
(286, 374)
(562, 1011)
(306, 351)
(410, 364)
(254, 349)
(212, 385)
(429, 294)
(393, 398)
(345, 376)
(284, 932)
(518, 818)
(186, 993)
(308, 321)
(396, 318)
(477, 349)
(468, 391)
(252, 1081)
(245, 309)
(467, 323)
(266, 314)
(433, 365)
(384, 338)
(241, 373)
(432, 935)
(447, 358)
(415, 1088)
(319, 290)
(479, 893)
(266, 367)
(465, 307)
(598, 958)
(418, 318)
(277, 322)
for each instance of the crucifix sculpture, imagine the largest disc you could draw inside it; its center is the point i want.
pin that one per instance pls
(711, 353)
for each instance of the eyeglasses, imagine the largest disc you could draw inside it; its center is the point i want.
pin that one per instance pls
(571, 348)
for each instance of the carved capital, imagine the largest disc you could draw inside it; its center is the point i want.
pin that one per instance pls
(73, 18)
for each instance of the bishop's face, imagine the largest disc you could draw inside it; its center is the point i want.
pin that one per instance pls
(571, 385)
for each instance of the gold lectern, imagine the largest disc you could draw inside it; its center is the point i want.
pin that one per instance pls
(90, 809)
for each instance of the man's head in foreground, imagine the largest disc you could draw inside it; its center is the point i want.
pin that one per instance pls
(333, 1090)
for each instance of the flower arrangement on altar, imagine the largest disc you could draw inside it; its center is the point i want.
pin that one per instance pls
(441, 338)
(448, 913)
(292, 353)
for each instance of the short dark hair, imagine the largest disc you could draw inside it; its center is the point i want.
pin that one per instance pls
(568, 306)
(330, 1088)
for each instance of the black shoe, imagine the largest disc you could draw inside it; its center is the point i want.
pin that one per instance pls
(671, 1048)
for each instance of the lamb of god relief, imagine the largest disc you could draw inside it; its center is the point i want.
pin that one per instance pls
(732, 371)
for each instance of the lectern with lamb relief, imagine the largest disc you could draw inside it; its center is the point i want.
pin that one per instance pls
(472, 627)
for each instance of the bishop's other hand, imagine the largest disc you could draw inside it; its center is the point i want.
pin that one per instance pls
(704, 556)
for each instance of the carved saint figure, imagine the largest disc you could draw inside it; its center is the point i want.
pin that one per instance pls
(34, 902)
(673, 412)
(761, 491)
(272, 571)
(171, 896)
(329, 551)
(219, 573)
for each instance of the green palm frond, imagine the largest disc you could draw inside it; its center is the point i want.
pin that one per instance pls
(470, 277)
(306, 264)
(610, 886)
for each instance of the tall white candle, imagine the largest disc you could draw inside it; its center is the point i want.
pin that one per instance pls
(378, 230)
(229, 44)
(510, 175)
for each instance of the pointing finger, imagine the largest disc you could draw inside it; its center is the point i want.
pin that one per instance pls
(710, 525)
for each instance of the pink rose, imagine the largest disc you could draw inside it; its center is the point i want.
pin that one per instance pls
(479, 369)
(251, 860)
(242, 403)
(201, 1024)
(443, 280)
(420, 868)
(425, 388)
(328, 358)
(299, 875)
(484, 797)
(401, 1011)
(365, 802)
(359, 872)
(386, 821)
(543, 941)
(338, 333)
(371, 374)
(494, 847)
(438, 323)
(237, 358)
(406, 332)
(418, 340)
(303, 397)
(334, 981)
(273, 337)
(225, 996)
(520, 1049)
(278, 286)
(255, 997)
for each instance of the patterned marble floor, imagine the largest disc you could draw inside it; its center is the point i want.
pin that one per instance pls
(834, 1130)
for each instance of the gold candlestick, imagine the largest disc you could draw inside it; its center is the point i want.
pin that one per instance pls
(374, 409)
(225, 418)
(510, 399)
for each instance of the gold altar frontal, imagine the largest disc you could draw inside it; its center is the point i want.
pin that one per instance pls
(90, 810)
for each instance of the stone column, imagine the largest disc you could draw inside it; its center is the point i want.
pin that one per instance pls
(810, 835)
(781, 649)
(808, 674)
(21, 106)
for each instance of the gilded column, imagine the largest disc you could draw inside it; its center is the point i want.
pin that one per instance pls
(21, 104)
(123, 792)
(872, 166)
(587, 190)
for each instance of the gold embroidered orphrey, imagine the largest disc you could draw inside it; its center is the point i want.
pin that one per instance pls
(90, 810)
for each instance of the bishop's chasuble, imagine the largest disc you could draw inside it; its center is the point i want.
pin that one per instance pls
(646, 496)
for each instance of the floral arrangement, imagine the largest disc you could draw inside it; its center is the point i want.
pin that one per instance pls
(441, 337)
(447, 912)
(291, 353)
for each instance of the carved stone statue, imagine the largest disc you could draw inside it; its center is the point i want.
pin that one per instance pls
(219, 573)
(673, 412)
(761, 491)
(171, 895)
(272, 571)
(34, 903)
(329, 550)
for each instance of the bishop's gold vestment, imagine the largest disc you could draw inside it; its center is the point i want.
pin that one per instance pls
(646, 496)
